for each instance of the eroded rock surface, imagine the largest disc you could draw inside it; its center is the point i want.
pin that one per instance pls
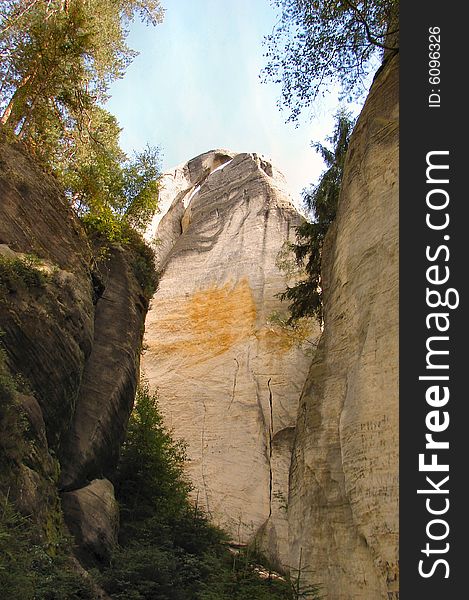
(228, 381)
(47, 328)
(92, 515)
(343, 504)
(71, 332)
(109, 378)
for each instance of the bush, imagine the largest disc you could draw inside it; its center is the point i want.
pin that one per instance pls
(149, 478)
(21, 272)
(27, 571)
(12, 429)
(107, 230)
(168, 549)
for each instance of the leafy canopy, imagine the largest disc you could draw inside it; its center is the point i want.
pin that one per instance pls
(58, 60)
(319, 42)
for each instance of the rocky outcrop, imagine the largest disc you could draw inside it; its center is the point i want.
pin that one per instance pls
(47, 325)
(93, 517)
(343, 502)
(71, 339)
(109, 377)
(228, 379)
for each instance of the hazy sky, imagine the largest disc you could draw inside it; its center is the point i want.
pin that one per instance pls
(195, 86)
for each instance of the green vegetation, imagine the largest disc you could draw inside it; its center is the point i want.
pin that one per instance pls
(28, 571)
(112, 198)
(305, 296)
(58, 60)
(22, 272)
(168, 549)
(11, 426)
(318, 43)
(31, 568)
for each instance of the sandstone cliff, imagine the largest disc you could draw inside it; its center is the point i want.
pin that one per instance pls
(228, 381)
(71, 332)
(343, 501)
(307, 469)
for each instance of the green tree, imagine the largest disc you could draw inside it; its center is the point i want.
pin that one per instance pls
(168, 549)
(150, 477)
(305, 296)
(59, 57)
(107, 189)
(319, 42)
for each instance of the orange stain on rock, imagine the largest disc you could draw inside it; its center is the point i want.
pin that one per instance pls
(207, 323)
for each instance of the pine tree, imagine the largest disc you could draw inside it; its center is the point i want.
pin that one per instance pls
(59, 58)
(321, 202)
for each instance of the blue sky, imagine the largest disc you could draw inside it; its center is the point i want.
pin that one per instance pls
(195, 86)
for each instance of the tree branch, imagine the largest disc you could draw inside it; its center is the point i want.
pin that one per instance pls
(361, 18)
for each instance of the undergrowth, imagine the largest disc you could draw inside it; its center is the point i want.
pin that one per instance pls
(27, 570)
(21, 272)
(107, 233)
(168, 548)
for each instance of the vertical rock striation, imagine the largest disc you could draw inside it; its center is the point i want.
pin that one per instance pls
(71, 332)
(343, 503)
(228, 381)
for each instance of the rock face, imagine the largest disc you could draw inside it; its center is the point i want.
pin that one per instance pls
(93, 514)
(228, 381)
(72, 330)
(48, 328)
(109, 378)
(343, 502)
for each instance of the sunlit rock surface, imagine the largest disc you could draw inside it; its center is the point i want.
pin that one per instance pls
(229, 381)
(343, 503)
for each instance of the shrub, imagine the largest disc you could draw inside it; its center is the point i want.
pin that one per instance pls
(27, 571)
(107, 230)
(19, 272)
(168, 548)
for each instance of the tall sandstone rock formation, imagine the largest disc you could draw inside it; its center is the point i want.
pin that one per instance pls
(74, 335)
(228, 381)
(343, 502)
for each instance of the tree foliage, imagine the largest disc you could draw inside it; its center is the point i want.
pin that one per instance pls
(58, 60)
(28, 570)
(305, 296)
(150, 476)
(59, 57)
(319, 42)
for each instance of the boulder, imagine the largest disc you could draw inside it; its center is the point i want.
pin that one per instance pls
(92, 516)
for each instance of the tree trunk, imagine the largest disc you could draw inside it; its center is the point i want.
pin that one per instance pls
(14, 102)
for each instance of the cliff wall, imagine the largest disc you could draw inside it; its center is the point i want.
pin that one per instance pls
(228, 379)
(343, 498)
(71, 332)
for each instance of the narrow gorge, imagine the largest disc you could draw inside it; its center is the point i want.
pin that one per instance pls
(292, 440)
(296, 452)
